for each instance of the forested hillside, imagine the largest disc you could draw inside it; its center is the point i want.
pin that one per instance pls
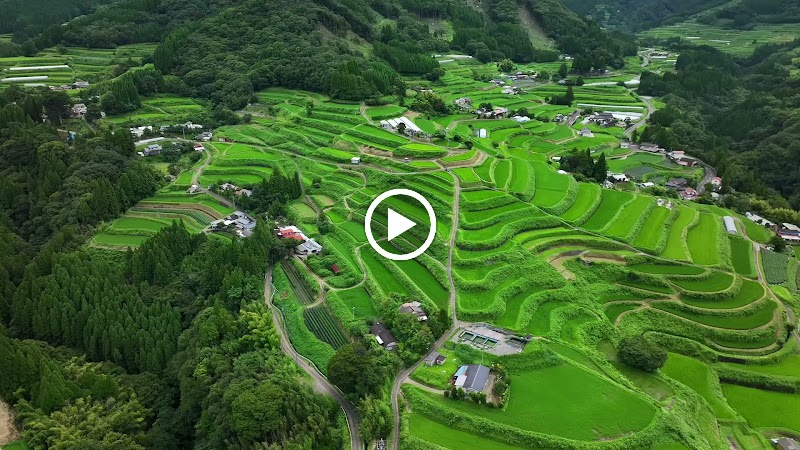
(738, 115)
(640, 15)
(26, 18)
(225, 50)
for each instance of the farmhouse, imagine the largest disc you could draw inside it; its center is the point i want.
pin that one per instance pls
(384, 337)
(511, 90)
(676, 154)
(152, 150)
(78, 110)
(586, 132)
(677, 183)
(308, 247)
(617, 177)
(139, 131)
(471, 377)
(79, 84)
(758, 219)
(435, 358)
(521, 119)
(355, 160)
(604, 118)
(730, 225)
(688, 194)
(198, 147)
(716, 182)
(463, 103)
(558, 118)
(647, 184)
(414, 308)
(686, 162)
(496, 113)
(785, 226)
(649, 147)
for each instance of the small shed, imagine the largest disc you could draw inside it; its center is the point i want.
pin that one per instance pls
(355, 160)
(730, 225)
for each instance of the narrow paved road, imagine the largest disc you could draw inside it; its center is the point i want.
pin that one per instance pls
(650, 110)
(199, 172)
(403, 375)
(321, 384)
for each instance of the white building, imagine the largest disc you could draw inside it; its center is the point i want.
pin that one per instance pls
(355, 160)
(410, 127)
(730, 225)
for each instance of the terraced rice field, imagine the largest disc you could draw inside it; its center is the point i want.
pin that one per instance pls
(611, 204)
(702, 240)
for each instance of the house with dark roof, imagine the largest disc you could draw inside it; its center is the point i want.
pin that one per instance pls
(435, 358)
(677, 183)
(384, 337)
(414, 308)
(471, 377)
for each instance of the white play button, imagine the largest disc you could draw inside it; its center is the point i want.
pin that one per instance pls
(398, 224)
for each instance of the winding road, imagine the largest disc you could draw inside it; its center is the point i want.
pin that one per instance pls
(321, 384)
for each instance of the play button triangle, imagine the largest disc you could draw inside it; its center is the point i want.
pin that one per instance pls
(398, 224)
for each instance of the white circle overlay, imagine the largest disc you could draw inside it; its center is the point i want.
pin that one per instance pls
(368, 224)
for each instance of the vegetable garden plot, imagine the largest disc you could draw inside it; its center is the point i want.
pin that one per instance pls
(775, 267)
(322, 323)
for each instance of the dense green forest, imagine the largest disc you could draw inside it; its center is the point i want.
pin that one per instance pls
(738, 115)
(26, 18)
(640, 15)
(168, 346)
(350, 49)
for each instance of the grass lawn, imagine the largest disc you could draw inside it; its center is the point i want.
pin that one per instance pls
(357, 298)
(765, 408)
(698, 376)
(450, 438)
(702, 240)
(675, 248)
(439, 376)
(584, 407)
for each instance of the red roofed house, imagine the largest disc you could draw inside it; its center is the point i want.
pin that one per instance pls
(716, 181)
(290, 232)
(335, 268)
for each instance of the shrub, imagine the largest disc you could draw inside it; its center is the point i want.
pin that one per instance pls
(636, 351)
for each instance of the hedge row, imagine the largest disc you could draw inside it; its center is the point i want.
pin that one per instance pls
(422, 404)
(507, 233)
(565, 203)
(733, 375)
(724, 249)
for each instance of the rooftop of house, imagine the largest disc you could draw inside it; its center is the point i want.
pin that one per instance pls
(472, 377)
(382, 334)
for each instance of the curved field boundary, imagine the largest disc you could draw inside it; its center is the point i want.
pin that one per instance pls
(186, 218)
(676, 247)
(180, 206)
(713, 281)
(586, 203)
(612, 203)
(652, 236)
(754, 318)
